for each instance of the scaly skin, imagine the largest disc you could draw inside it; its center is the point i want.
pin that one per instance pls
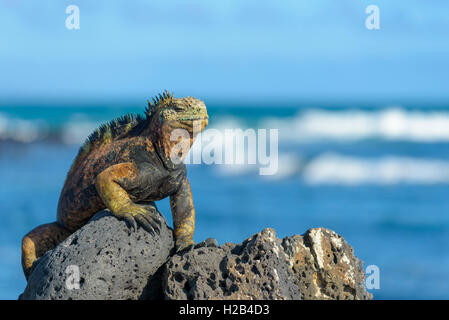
(125, 166)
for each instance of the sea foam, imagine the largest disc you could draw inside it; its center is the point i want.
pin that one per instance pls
(337, 169)
(393, 124)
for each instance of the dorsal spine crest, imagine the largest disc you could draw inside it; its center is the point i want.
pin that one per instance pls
(159, 101)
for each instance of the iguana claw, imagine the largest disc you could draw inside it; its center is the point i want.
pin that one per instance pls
(149, 223)
(185, 245)
(130, 221)
(144, 216)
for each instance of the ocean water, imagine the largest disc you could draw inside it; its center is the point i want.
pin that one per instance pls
(378, 176)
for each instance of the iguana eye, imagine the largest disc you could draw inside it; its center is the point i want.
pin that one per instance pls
(178, 108)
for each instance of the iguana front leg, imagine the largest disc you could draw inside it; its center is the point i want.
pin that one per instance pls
(120, 203)
(183, 213)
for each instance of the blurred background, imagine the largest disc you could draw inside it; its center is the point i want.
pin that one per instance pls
(363, 118)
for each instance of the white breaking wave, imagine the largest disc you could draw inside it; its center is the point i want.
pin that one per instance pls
(338, 169)
(21, 130)
(289, 165)
(393, 124)
(27, 131)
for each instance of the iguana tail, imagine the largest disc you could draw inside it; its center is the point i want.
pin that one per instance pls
(38, 241)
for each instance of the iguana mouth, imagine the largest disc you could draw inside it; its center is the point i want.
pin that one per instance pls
(193, 119)
(188, 123)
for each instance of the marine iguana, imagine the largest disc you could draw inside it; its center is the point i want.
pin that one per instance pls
(123, 164)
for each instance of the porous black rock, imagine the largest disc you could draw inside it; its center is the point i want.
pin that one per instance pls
(253, 270)
(117, 263)
(114, 262)
(317, 265)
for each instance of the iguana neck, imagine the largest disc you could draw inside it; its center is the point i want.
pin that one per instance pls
(164, 147)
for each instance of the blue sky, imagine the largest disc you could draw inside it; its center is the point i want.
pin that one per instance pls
(225, 50)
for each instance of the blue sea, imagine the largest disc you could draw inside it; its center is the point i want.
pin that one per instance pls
(377, 175)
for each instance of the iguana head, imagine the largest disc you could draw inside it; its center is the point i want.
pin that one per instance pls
(176, 122)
